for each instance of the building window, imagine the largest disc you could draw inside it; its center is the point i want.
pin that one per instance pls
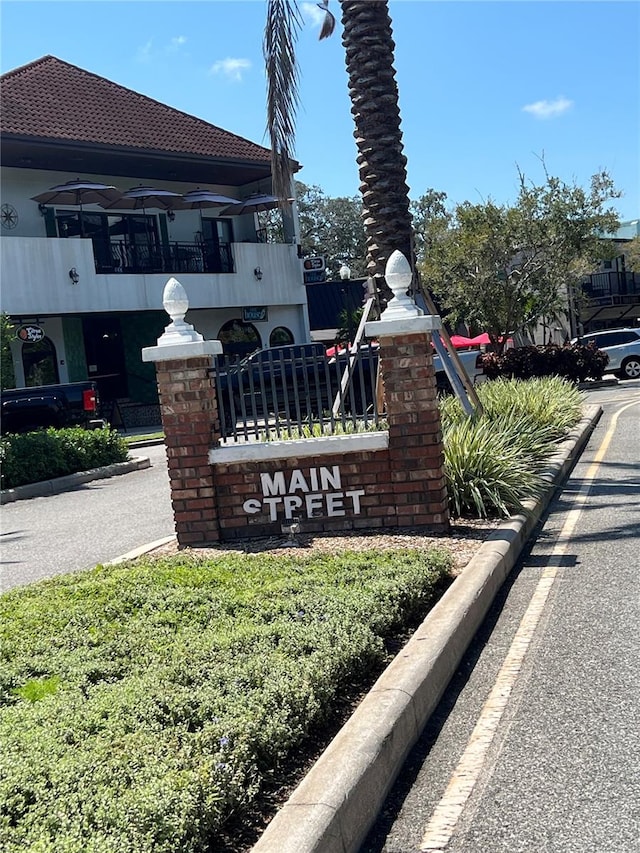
(239, 339)
(281, 336)
(121, 242)
(40, 363)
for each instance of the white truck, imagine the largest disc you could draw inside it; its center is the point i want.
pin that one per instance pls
(470, 361)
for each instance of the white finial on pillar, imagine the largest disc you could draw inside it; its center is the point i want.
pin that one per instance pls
(179, 339)
(176, 304)
(402, 315)
(397, 274)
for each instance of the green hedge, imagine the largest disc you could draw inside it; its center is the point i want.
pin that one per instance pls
(143, 705)
(574, 362)
(35, 456)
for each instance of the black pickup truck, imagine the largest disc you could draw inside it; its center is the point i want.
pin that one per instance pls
(65, 405)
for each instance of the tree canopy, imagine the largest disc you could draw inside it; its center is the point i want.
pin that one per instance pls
(332, 227)
(631, 251)
(502, 269)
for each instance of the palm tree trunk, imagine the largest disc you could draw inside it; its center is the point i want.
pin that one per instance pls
(369, 46)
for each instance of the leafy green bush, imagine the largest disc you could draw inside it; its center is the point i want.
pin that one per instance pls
(492, 461)
(574, 362)
(42, 455)
(142, 705)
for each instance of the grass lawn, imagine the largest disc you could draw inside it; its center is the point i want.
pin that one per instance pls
(135, 438)
(146, 705)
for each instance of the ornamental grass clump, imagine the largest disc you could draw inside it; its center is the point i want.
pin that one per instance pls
(493, 461)
(488, 468)
(143, 706)
(551, 401)
(320, 430)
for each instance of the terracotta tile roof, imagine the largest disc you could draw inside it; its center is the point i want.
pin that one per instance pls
(52, 99)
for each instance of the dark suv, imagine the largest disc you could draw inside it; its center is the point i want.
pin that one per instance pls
(623, 348)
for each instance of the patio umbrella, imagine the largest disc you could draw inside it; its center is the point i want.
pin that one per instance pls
(254, 204)
(199, 198)
(460, 341)
(139, 198)
(78, 193)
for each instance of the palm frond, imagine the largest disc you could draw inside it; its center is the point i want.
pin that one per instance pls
(280, 37)
(328, 26)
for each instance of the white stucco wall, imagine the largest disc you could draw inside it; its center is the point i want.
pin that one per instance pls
(35, 269)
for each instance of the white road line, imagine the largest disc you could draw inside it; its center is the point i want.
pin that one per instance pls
(447, 813)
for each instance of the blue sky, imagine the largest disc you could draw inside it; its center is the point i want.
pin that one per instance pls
(484, 87)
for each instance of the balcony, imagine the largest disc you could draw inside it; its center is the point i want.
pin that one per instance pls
(36, 275)
(612, 287)
(121, 257)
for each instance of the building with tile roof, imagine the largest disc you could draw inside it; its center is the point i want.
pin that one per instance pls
(89, 273)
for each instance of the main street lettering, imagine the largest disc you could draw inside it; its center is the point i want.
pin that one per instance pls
(318, 493)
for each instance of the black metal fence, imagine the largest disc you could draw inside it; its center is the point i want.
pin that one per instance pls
(611, 284)
(297, 391)
(120, 256)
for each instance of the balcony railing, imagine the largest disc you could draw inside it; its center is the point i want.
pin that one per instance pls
(175, 257)
(617, 286)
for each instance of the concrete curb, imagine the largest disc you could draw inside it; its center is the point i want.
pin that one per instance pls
(335, 805)
(588, 384)
(71, 481)
(141, 551)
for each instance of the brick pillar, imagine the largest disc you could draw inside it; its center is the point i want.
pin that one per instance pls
(415, 436)
(189, 417)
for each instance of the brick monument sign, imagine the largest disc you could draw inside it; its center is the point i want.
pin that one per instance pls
(393, 478)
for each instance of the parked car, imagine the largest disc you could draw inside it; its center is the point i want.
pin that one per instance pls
(623, 348)
(63, 405)
(304, 379)
(295, 378)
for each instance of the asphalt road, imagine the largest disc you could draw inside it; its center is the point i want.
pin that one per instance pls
(536, 745)
(94, 523)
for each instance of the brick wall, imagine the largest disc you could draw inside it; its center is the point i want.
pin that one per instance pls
(400, 484)
(415, 437)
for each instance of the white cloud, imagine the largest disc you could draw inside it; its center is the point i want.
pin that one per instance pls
(144, 52)
(147, 52)
(548, 109)
(231, 68)
(313, 14)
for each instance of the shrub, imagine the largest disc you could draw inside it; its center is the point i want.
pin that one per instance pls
(574, 362)
(488, 468)
(491, 461)
(142, 705)
(35, 456)
(547, 402)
